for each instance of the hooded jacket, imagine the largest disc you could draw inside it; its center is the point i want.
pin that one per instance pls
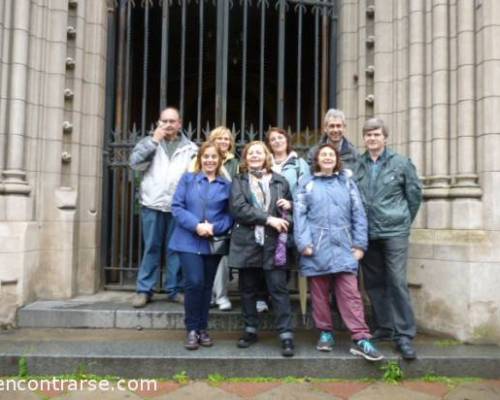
(329, 216)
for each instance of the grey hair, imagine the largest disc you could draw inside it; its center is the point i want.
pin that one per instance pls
(334, 113)
(375, 123)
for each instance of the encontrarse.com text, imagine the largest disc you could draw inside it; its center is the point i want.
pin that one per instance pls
(58, 384)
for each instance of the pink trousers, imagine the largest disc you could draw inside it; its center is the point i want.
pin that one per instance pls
(349, 302)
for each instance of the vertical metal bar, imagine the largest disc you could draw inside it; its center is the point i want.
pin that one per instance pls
(118, 131)
(299, 66)
(183, 56)
(108, 124)
(281, 63)
(164, 54)
(244, 65)
(127, 62)
(261, 68)
(145, 68)
(316, 68)
(221, 67)
(324, 61)
(333, 56)
(200, 70)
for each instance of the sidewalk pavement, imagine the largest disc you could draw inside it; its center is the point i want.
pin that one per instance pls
(315, 390)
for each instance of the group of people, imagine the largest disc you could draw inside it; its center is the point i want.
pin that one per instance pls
(333, 215)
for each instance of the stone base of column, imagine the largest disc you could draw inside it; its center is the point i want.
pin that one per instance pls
(14, 182)
(466, 186)
(437, 186)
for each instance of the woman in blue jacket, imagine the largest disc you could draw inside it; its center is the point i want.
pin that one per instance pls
(330, 230)
(200, 207)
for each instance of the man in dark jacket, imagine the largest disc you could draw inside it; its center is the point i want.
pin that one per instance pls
(334, 129)
(392, 193)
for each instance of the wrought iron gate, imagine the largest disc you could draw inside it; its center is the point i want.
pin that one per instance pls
(246, 64)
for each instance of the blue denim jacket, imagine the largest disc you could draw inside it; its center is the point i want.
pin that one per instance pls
(196, 200)
(329, 216)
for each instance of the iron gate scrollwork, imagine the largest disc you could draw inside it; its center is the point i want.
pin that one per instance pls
(246, 64)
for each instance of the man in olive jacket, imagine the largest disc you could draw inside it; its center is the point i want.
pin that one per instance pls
(392, 193)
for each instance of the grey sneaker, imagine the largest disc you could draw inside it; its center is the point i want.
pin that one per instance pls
(325, 342)
(367, 350)
(178, 298)
(140, 300)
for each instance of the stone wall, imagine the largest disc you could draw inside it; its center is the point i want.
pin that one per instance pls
(431, 70)
(52, 91)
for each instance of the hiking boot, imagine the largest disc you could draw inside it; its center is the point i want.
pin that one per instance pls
(261, 306)
(326, 341)
(247, 340)
(406, 349)
(205, 340)
(366, 349)
(140, 300)
(176, 298)
(191, 342)
(287, 348)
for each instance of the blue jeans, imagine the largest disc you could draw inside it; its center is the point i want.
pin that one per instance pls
(157, 228)
(384, 275)
(199, 273)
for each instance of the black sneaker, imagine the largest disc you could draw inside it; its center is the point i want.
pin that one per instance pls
(287, 348)
(247, 340)
(406, 349)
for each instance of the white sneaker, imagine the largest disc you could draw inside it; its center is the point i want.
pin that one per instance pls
(225, 304)
(262, 306)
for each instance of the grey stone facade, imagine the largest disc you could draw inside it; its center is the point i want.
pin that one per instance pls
(429, 68)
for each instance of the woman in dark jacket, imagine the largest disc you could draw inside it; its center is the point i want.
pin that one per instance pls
(200, 207)
(257, 198)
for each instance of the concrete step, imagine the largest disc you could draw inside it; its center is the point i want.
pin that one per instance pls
(160, 354)
(113, 310)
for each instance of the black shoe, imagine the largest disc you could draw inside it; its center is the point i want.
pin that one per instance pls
(287, 348)
(406, 349)
(191, 342)
(247, 340)
(204, 339)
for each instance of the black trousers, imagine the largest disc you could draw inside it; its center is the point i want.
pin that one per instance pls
(276, 281)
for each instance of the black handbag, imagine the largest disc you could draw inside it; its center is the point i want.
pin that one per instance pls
(219, 245)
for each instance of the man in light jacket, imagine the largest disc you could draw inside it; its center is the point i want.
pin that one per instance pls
(391, 193)
(163, 157)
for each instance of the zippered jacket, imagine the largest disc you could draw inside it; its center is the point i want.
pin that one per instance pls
(329, 216)
(161, 173)
(393, 199)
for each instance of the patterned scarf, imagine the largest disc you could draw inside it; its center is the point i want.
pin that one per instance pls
(261, 198)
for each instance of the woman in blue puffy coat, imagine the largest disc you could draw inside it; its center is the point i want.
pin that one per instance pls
(330, 229)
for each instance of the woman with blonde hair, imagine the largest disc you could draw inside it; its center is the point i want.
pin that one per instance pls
(224, 140)
(258, 197)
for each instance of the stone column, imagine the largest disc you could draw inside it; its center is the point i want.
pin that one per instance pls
(14, 173)
(466, 181)
(5, 21)
(439, 179)
(416, 91)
